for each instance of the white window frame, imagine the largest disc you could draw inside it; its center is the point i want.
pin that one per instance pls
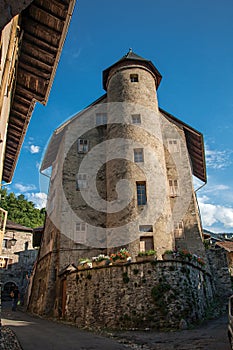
(138, 154)
(101, 119)
(83, 145)
(173, 145)
(136, 119)
(173, 187)
(81, 181)
(80, 232)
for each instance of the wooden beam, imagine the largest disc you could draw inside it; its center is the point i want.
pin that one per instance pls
(34, 61)
(21, 98)
(20, 107)
(38, 96)
(47, 10)
(40, 42)
(33, 22)
(29, 69)
(17, 114)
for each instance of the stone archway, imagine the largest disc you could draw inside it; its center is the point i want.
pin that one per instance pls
(6, 290)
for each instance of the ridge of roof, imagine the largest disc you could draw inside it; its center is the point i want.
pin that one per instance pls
(15, 226)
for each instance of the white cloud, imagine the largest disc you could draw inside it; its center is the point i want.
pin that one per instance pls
(24, 188)
(215, 214)
(34, 149)
(39, 198)
(217, 159)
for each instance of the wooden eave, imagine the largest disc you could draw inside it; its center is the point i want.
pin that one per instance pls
(195, 145)
(43, 26)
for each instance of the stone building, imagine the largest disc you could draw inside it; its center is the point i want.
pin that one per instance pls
(17, 257)
(32, 35)
(121, 176)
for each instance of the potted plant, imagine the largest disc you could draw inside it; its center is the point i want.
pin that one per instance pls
(84, 263)
(121, 257)
(169, 255)
(148, 255)
(184, 254)
(100, 260)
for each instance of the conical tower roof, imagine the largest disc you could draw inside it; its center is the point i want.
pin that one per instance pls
(133, 58)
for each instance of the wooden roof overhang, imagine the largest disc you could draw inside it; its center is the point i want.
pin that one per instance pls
(44, 25)
(195, 145)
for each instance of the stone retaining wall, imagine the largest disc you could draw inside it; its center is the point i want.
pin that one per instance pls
(159, 295)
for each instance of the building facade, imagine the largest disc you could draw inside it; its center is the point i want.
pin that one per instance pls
(121, 177)
(30, 46)
(17, 258)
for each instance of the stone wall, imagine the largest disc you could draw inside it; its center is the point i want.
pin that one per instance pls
(219, 269)
(159, 295)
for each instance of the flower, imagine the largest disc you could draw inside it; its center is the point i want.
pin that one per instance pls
(121, 255)
(100, 257)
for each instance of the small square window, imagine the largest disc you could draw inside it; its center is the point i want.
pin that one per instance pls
(101, 119)
(173, 188)
(134, 78)
(136, 118)
(141, 193)
(173, 145)
(145, 228)
(81, 181)
(138, 155)
(82, 146)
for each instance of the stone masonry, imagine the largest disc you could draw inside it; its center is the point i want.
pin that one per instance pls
(122, 177)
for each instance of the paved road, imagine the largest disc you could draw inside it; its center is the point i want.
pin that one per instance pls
(211, 335)
(38, 334)
(35, 333)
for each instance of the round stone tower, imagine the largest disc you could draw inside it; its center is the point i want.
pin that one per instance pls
(137, 157)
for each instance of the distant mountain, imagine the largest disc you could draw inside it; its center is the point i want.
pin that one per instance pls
(219, 235)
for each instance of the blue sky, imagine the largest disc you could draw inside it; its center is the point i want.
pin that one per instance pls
(190, 43)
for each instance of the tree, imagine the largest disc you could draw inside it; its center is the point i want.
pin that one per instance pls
(20, 210)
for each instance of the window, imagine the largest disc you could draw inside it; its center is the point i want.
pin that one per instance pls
(134, 78)
(145, 228)
(81, 181)
(173, 188)
(101, 118)
(146, 243)
(136, 118)
(82, 146)
(141, 193)
(179, 230)
(173, 145)
(81, 227)
(138, 155)
(80, 234)
(5, 243)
